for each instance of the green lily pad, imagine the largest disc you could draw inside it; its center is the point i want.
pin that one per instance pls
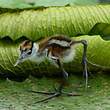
(36, 24)
(98, 52)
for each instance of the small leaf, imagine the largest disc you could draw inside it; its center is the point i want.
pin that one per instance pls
(102, 29)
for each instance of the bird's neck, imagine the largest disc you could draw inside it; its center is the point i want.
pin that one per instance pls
(42, 44)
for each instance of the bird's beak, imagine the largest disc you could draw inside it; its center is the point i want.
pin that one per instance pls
(18, 61)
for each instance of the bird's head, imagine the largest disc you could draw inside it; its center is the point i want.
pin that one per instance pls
(27, 48)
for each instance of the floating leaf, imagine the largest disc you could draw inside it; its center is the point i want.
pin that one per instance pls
(35, 24)
(98, 52)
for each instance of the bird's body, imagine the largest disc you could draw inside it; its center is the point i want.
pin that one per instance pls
(57, 49)
(51, 48)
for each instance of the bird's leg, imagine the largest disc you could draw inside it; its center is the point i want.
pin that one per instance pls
(84, 59)
(58, 91)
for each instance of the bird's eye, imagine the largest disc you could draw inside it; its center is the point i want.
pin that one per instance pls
(25, 49)
(29, 52)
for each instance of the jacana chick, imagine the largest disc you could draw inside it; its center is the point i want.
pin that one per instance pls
(58, 49)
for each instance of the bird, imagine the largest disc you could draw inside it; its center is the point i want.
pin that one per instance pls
(57, 49)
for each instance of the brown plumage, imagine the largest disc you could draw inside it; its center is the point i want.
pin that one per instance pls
(27, 44)
(56, 45)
